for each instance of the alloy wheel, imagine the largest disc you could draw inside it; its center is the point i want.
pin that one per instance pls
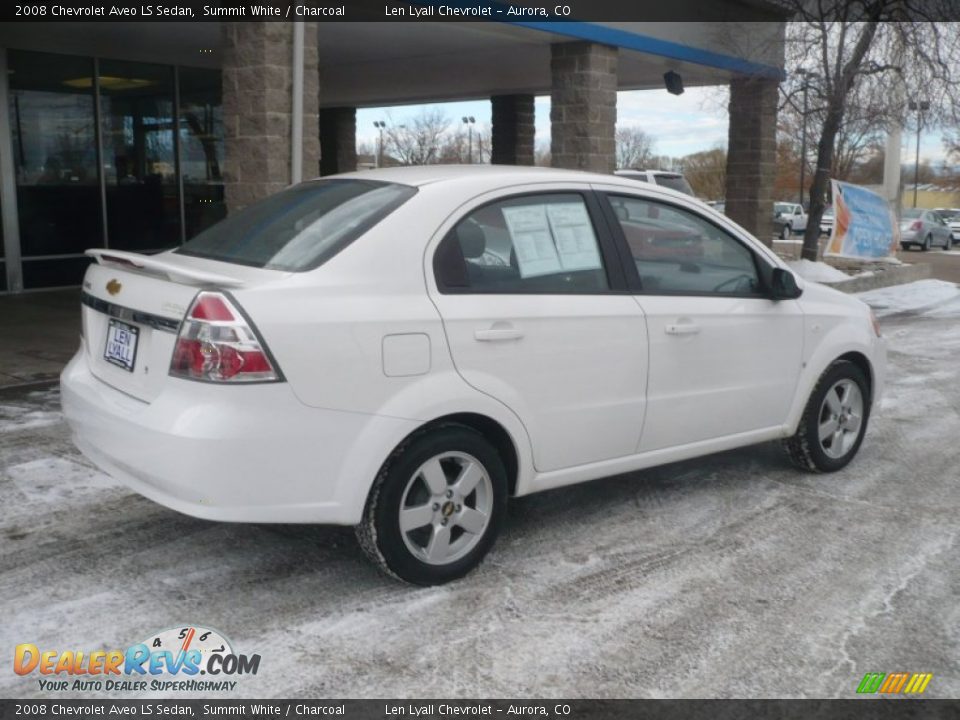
(840, 418)
(446, 508)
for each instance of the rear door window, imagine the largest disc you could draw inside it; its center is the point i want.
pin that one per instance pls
(526, 244)
(301, 227)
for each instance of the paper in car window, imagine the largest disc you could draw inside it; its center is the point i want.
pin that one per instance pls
(573, 233)
(532, 241)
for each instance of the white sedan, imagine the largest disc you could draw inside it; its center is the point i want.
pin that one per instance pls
(405, 349)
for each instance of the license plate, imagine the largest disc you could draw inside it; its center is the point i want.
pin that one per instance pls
(121, 347)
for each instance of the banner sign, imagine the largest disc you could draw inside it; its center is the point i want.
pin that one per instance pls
(863, 225)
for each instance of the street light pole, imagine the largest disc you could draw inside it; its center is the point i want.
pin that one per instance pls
(806, 75)
(469, 120)
(379, 125)
(920, 107)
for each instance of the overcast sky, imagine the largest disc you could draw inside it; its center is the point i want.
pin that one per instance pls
(679, 125)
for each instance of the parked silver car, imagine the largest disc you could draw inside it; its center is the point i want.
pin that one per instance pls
(924, 228)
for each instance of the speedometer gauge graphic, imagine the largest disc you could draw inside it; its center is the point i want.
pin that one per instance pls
(179, 640)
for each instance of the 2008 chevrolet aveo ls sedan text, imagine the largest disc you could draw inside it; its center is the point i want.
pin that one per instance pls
(404, 349)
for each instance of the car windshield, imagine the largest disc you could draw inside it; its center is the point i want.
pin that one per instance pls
(301, 227)
(912, 213)
(783, 208)
(674, 182)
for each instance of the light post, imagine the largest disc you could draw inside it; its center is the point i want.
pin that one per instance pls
(380, 125)
(469, 121)
(807, 75)
(921, 107)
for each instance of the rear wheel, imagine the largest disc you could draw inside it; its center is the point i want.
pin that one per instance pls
(834, 421)
(436, 506)
(927, 241)
(948, 243)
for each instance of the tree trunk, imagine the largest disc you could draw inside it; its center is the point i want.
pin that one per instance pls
(821, 180)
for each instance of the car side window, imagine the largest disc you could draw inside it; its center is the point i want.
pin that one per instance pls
(525, 244)
(678, 252)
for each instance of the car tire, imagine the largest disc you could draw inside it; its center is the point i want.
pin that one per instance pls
(927, 242)
(827, 437)
(446, 532)
(948, 244)
(786, 231)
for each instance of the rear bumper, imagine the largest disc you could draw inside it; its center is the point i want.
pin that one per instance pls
(242, 454)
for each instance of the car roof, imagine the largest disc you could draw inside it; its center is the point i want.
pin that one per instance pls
(491, 177)
(418, 175)
(626, 172)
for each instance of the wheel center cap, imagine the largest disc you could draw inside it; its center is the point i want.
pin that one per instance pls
(448, 508)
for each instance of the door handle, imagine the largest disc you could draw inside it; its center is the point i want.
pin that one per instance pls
(497, 333)
(682, 329)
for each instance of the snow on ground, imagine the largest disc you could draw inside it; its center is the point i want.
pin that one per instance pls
(817, 271)
(716, 577)
(928, 297)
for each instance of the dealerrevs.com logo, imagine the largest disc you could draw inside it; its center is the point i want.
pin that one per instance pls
(187, 659)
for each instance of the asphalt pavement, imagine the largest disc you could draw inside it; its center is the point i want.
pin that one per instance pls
(728, 576)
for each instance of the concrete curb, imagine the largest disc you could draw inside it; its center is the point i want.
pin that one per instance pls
(884, 276)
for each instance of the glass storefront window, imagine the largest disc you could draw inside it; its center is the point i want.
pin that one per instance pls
(59, 165)
(201, 149)
(55, 159)
(136, 118)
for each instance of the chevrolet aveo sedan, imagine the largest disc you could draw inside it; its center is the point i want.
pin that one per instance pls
(404, 350)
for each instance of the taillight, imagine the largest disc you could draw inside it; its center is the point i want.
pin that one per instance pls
(917, 225)
(218, 345)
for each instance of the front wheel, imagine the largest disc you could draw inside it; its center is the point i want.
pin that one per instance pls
(948, 243)
(436, 507)
(834, 421)
(785, 232)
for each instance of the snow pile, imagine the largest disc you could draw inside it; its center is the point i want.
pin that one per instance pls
(817, 271)
(933, 297)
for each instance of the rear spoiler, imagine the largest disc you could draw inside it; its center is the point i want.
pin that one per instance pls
(154, 265)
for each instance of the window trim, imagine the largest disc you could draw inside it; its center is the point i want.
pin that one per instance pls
(610, 254)
(763, 268)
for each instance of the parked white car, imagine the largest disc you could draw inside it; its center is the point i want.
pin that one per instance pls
(664, 178)
(346, 352)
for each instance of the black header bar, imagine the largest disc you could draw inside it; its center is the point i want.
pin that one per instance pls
(384, 11)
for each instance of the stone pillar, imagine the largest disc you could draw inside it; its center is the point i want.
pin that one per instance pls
(583, 112)
(258, 108)
(752, 155)
(511, 137)
(338, 140)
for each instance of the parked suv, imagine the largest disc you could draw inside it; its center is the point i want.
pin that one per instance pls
(664, 178)
(347, 352)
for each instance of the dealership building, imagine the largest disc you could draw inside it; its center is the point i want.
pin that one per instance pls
(137, 136)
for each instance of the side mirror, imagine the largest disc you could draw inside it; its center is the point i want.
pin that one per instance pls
(784, 285)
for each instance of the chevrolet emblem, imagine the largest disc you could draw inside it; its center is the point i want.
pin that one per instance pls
(113, 287)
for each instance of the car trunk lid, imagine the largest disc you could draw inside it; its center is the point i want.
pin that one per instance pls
(133, 306)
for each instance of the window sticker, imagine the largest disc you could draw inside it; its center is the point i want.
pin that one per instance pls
(532, 240)
(573, 233)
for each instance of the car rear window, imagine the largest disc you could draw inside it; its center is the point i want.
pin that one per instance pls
(301, 227)
(675, 182)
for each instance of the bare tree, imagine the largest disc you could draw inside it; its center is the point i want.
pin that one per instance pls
(859, 51)
(420, 140)
(634, 148)
(707, 173)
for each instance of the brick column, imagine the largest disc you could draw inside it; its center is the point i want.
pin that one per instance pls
(752, 155)
(511, 137)
(258, 108)
(583, 112)
(338, 140)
